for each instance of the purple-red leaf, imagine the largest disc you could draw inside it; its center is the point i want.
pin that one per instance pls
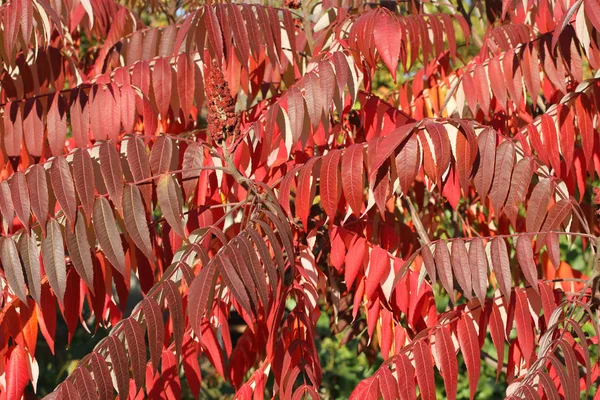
(461, 267)
(12, 267)
(108, 236)
(170, 201)
(83, 170)
(525, 258)
(501, 266)
(112, 172)
(446, 360)
(53, 255)
(64, 189)
(469, 345)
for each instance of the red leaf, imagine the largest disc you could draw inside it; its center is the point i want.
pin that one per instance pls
(461, 267)
(136, 346)
(537, 207)
(234, 282)
(108, 236)
(521, 178)
(128, 112)
(170, 200)
(160, 155)
(84, 383)
(384, 147)
(531, 71)
(406, 378)
(242, 42)
(57, 125)
(38, 189)
(388, 37)
(134, 215)
(112, 172)
(586, 128)
(498, 85)
(353, 177)
(497, 333)
(161, 83)
(408, 162)
(53, 255)
(482, 88)
(549, 387)
(213, 28)
(186, 83)
(30, 255)
(551, 142)
(20, 197)
(556, 216)
(387, 384)
(487, 159)
(33, 126)
(119, 363)
(479, 268)
(295, 112)
(101, 376)
(379, 267)
(548, 301)
(567, 135)
(64, 189)
(313, 96)
(46, 314)
(505, 161)
(12, 267)
(175, 307)
(191, 367)
(366, 390)
(330, 182)
(592, 11)
(501, 266)
(525, 258)
(306, 191)
(525, 332)
(429, 262)
(16, 374)
(446, 361)
(354, 259)
(424, 364)
(170, 375)
(469, 344)
(566, 382)
(83, 170)
(444, 268)
(470, 91)
(155, 327)
(465, 154)
(193, 159)
(201, 293)
(139, 166)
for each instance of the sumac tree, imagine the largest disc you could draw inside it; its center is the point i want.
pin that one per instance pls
(409, 168)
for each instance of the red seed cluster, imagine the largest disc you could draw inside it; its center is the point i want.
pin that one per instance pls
(223, 121)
